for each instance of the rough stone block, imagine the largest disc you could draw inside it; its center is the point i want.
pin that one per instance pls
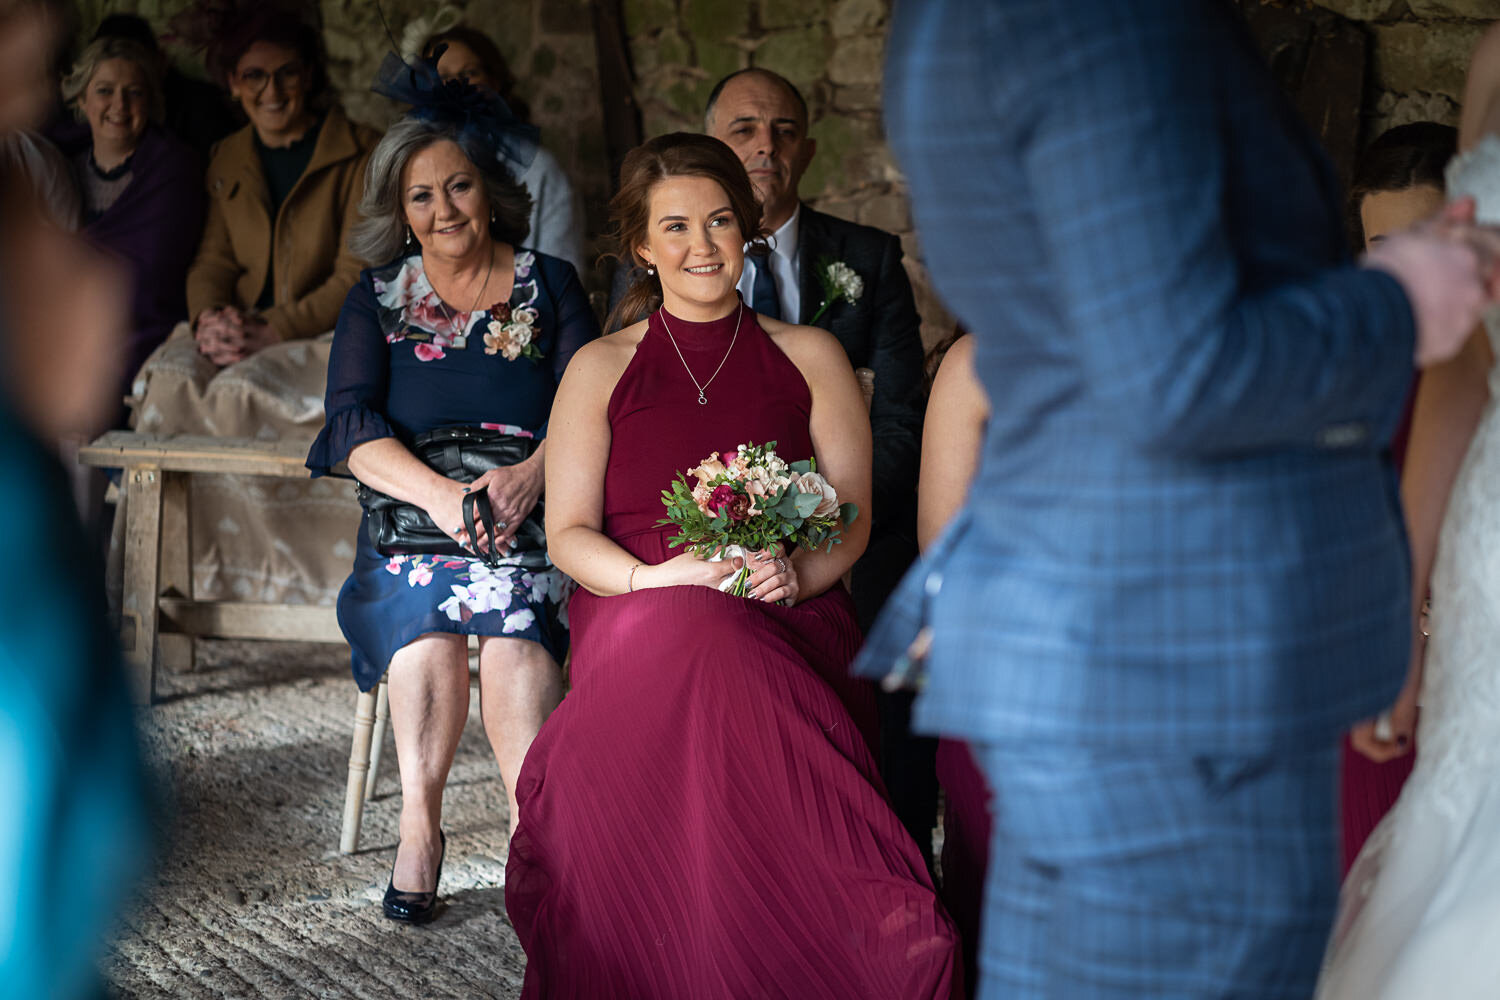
(1432, 57)
(891, 212)
(687, 98)
(858, 98)
(715, 19)
(543, 61)
(851, 154)
(658, 119)
(1400, 109)
(851, 17)
(840, 208)
(1486, 10)
(567, 17)
(643, 16)
(859, 59)
(667, 48)
(788, 13)
(719, 58)
(801, 55)
(1360, 10)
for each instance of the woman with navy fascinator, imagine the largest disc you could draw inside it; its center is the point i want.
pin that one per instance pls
(447, 354)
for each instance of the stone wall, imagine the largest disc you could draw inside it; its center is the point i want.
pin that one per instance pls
(1420, 54)
(834, 51)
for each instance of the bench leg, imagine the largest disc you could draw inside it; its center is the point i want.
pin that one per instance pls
(176, 566)
(142, 576)
(377, 737)
(359, 765)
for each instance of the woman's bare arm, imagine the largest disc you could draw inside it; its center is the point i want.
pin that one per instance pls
(952, 436)
(840, 429)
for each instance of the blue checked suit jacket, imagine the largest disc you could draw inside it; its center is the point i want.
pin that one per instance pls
(1185, 531)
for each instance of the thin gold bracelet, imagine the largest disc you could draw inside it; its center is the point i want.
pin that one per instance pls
(630, 581)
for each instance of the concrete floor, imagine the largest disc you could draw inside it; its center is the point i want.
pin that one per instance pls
(251, 897)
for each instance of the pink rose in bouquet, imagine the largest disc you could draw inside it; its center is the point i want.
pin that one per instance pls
(813, 483)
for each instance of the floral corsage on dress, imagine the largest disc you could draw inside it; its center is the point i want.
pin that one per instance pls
(411, 310)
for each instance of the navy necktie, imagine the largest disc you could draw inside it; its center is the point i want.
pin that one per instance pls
(764, 297)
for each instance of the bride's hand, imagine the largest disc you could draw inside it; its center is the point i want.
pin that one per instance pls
(686, 570)
(775, 577)
(1371, 738)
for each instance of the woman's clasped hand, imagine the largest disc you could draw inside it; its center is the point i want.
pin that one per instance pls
(226, 335)
(512, 493)
(773, 578)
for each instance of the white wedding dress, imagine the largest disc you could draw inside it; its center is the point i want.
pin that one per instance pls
(1419, 915)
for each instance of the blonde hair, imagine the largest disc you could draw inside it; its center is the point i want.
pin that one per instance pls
(102, 50)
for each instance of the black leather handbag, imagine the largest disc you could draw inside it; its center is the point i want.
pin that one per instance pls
(463, 454)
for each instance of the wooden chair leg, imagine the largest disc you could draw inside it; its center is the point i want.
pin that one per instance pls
(377, 737)
(176, 566)
(142, 577)
(359, 764)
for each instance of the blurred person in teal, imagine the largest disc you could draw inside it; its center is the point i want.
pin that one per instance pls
(73, 817)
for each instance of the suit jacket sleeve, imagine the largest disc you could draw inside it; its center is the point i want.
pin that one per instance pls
(896, 408)
(1129, 172)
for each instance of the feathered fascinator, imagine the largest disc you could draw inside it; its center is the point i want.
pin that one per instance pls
(457, 102)
(424, 27)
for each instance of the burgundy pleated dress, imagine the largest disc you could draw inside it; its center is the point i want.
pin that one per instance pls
(701, 816)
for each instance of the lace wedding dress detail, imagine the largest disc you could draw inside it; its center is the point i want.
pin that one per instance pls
(1420, 910)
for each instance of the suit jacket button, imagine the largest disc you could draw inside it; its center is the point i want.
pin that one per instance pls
(1343, 435)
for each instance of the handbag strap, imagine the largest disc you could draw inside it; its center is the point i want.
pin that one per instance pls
(478, 502)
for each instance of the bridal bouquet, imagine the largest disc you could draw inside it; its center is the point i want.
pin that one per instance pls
(751, 500)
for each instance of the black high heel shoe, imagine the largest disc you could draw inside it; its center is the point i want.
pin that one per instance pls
(414, 907)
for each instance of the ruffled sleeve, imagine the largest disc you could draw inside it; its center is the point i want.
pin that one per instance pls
(358, 381)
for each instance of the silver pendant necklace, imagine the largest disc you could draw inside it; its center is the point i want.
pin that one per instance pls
(459, 340)
(702, 399)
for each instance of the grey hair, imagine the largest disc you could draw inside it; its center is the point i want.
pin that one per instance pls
(380, 233)
(103, 49)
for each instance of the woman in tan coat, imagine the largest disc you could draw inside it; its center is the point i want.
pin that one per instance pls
(274, 263)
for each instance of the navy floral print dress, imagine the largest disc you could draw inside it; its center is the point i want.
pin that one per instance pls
(404, 363)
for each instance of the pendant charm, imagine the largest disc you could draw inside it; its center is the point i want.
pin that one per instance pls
(460, 342)
(702, 399)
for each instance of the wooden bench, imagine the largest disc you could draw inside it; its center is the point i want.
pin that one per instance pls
(158, 617)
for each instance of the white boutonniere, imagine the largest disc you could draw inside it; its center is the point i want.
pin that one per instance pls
(511, 332)
(840, 284)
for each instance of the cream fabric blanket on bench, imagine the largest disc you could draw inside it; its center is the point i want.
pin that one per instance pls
(254, 539)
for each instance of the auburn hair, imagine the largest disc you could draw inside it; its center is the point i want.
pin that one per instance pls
(677, 154)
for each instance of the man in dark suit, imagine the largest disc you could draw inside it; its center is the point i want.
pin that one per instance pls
(1180, 574)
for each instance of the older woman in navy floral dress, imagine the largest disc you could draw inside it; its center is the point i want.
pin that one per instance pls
(463, 328)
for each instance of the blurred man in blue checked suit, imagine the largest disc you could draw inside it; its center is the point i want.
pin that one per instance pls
(1181, 572)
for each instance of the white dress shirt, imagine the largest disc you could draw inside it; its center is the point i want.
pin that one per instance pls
(784, 267)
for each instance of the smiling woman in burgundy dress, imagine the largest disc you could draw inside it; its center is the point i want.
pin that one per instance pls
(701, 816)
